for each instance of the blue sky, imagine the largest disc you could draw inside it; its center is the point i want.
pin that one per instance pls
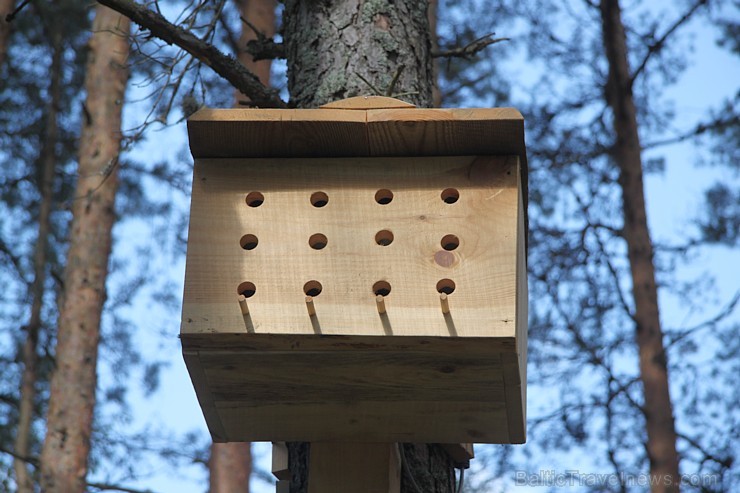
(673, 198)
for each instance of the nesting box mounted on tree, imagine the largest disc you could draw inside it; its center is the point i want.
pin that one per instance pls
(358, 273)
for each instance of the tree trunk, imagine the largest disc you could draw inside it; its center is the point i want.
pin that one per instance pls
(658, 410)
(6, 7)
(434, 40)
(47, 162)
(331, 46)
(230, 467)
(261, 14)
(64, 457)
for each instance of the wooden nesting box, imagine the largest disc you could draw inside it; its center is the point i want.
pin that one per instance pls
(379, 250)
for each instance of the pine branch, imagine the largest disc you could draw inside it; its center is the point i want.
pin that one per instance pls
(656, 46)
(469, 50)
(115, 487)
(701, 128)
(227, 67)
(263, 48)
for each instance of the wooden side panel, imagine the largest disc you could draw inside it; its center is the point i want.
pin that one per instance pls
(480, 262)
(203, 392)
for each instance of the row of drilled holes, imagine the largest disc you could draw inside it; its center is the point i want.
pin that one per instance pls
(318, 241)
(382, 197)
(314, 288)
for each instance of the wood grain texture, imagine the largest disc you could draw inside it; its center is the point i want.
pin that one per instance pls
(361, 133)
(483, 266)
(355, 467)
(366, 103)
(314, 388)
(341, 205)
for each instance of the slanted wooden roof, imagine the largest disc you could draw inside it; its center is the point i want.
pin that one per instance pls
(360, 127)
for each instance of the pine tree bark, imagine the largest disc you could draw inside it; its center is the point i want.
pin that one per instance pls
(331, 46)
(658, 410)
(64, 457)
(6, 7)
(47, 164)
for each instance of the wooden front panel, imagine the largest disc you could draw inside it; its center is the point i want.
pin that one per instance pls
(283, 254)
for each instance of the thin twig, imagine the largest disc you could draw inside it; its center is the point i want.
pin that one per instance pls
(469, 50)
(660, 42)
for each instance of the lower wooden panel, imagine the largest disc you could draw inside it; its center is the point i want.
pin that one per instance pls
(357, 389)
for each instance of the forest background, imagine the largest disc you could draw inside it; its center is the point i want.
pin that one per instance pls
(586, 404)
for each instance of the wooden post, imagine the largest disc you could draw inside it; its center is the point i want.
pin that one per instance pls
(355, 467)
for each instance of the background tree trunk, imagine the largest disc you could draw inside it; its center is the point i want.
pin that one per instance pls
(330, 47)
(261, 14)
(65, 453)
(658, 410)
(230, 467)
(6, 6)
(47, 165)
(434, 45)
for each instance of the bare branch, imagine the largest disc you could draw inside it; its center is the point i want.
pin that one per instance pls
(227, 67)
(263, 48)
(701, 128)
(678, 336)
(469, 50)
(656, 46)
(115, 487)
(266, 49)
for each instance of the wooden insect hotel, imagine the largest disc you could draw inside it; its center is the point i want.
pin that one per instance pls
(357, 273)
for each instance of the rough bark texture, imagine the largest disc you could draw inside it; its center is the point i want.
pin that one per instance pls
(230, 467)
(261, 15)
(47, 163)
(64, 457)
(333, 44)
(6, 7)
(434, 43)
(661, 434)
(329, 46)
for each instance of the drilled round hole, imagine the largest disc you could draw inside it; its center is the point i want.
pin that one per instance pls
(249, 242)
(446, 286)
(450, 242)
(255, 199)
(312, 288)
(450, 195)
(319, 199)
(247, 289)
(382, 288)
(317, 241)
(384, 237)
(383, 196)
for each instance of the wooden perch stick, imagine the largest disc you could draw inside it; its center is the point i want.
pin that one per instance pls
(226, 66)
